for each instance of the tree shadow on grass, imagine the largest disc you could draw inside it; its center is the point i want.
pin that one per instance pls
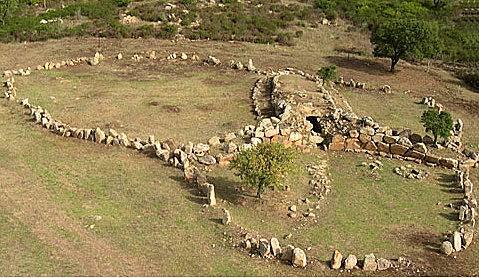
(195, 195)
(377, 68)
(452, 216)
(229, 190)
(428, 240)
(217, 220)
(225, 189)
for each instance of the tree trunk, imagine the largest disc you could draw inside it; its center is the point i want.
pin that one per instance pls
(435, 139)
(394, 61)
(258, 193)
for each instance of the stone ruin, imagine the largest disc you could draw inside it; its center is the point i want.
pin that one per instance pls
(303, 119)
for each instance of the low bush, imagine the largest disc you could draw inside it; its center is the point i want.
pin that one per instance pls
(328, 73)
(471, 78)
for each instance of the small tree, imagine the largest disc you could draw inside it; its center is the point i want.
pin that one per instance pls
(405, 38)
(440, 124)
(328, 73)
(264, 166)
(7, 7)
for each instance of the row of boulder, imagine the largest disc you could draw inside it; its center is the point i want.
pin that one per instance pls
(10, 90)
(351, 83)
(272, 249)
(370, 137)
(467, 214)
(369, 263)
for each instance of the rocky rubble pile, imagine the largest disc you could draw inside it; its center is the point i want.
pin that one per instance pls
(320, 182)
(410, 172)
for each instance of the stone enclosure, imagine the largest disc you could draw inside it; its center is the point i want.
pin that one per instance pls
(305, 119)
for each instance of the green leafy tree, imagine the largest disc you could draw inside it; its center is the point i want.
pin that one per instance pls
(440, 124)
(328, 73)
(264, 166)
(405, 38)
(7, 7)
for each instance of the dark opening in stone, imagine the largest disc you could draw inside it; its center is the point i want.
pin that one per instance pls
(314, 120)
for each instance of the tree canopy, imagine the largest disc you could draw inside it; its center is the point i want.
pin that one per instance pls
(405, 38)
(264, 166)
(7, 7)
(439, 123)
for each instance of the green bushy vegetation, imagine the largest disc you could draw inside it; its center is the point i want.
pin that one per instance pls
(438, 123)
(459, 38)
(328, 73)
(264, 166)
(102, 20)
(471, 78)
(405, 38)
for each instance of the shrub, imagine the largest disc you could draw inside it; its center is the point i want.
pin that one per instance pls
(471, 78)
(122, 3)
(328, 73)
(440, 124)
(264, 166)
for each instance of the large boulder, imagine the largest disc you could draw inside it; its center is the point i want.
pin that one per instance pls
(420, 147)
(383, 147)
(433, 159)
(383, 264)
(415, 154)
(207, 160)
(370, 263)
(337, 143)
(390, 139)
(275, 247)
(336, 260)
(457, 241)
(350, 262)
(99, 135)
(398, 149)
(468, 236)
(214, 141)
(299, 258)
(446, 248)
(353, 144)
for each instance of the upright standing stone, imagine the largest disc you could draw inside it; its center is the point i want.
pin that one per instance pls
(350, 262)
(226, 217)
(370, 263)
(336, 260)
(299, 258)
(457, 241)
(211, 195)
(275, 247)
(99, 135)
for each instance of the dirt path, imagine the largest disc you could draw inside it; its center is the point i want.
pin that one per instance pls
(31, 205)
